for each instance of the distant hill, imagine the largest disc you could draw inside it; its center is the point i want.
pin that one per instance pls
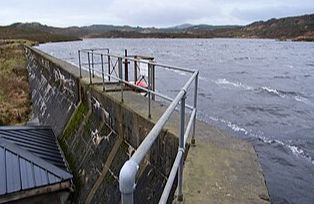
(34, 32)
(285, 28)
(182, 26)
(294, 28)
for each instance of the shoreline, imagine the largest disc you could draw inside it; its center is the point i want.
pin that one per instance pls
(298, 39)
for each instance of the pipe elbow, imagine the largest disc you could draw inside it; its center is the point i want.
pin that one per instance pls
(127, 177)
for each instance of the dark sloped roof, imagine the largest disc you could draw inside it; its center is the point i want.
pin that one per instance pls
(22, 166)
(38, 140)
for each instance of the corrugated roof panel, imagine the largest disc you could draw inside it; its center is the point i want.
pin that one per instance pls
(29, 143)
(29, 158)
(3, 184)
(53, 179)
(41, 177)
(33, 147)
(44, 133)
(27, 176)
(38, 140)
(13, 172)
(40, 135)
(17, 136)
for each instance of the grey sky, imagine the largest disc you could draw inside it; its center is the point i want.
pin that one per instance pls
(160, 13)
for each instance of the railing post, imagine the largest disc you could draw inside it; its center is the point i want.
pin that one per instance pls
(93, 63)
(126, 66)
(109, 64)
(121, 85)
(120, 67)
(90, 74)
(80, 66)
(149, 77)
(135, 71)
(149, 106)
(120, 76)
(102, 72)
(181, 147)
(149, 89)
(195, 106)
(153, 81)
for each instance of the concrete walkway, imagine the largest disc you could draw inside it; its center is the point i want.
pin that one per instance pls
(222, 169)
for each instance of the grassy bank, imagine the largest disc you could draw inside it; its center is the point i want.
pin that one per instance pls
(15, 104)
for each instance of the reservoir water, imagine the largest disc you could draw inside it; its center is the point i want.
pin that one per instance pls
(258, 90)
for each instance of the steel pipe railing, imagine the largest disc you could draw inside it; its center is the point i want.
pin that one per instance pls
(102, 72)
(177, 162)
(171, 67)
(80, 66)
(181, 148)
(90, 73)
(165, 194)
(152, 135)
(194, 106)
(189, 126)
(129, 170)
(95, 63)
(153, 93)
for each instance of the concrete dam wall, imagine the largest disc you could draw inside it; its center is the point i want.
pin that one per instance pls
(97, 132)
(55, 91)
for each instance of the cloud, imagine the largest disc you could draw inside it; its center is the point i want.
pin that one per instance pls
(251, 13)
(149, 13)
(163, 12)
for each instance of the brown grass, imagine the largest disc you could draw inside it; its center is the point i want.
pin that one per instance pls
(14, 88)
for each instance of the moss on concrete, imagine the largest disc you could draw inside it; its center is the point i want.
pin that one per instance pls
(70, 130)
(76, 120)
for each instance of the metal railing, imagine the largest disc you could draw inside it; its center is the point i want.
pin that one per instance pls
(130, 168)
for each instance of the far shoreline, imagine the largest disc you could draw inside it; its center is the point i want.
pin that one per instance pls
(182, 38)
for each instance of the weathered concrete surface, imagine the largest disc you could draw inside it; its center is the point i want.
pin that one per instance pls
(222, 169)
(54, 90)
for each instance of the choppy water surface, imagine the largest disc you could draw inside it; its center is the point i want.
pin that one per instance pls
(259, 90)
